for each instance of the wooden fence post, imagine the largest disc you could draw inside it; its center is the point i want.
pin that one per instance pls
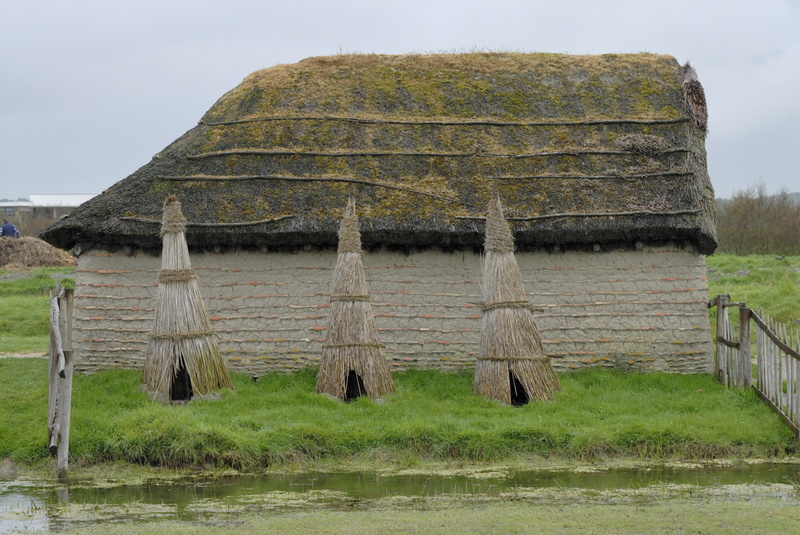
(56, 370)
(745, 369)
(720, 368)
(65, 399)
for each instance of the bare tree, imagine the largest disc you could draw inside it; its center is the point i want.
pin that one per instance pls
(757, 222)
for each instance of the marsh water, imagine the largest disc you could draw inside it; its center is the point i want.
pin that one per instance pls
(49, 505)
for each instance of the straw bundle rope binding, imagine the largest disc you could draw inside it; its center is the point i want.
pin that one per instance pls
(176, 275)
(357, 344)
(506, 358)
(351, 298)
(181, 336)
(510, 304)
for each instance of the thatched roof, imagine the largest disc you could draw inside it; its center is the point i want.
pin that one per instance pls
(582, 150)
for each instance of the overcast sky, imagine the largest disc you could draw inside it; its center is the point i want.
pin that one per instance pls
(91, 90)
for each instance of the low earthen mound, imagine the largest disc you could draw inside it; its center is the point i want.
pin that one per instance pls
(32, 252)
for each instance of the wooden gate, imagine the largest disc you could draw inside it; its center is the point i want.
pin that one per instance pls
(777, 358)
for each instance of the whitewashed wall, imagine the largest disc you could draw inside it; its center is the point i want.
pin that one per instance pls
(627, 309)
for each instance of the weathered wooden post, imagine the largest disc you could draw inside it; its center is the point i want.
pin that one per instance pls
(745, 370)
(721, 368)
(60, 385)
(57, 369)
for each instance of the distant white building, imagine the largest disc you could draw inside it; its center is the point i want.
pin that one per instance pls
(40, 211)
(70, 200)
(13, 210)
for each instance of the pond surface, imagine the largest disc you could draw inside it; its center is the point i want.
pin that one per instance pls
(27, 505)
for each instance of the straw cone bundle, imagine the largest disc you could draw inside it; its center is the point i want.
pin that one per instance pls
(352, 342)
(510, 346)
(181, 337)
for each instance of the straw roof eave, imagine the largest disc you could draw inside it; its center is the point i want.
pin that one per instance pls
(115, 234)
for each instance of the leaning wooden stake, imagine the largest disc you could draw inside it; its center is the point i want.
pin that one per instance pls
(512, 366)
(183, 357)
(352, 362)
(60, 383)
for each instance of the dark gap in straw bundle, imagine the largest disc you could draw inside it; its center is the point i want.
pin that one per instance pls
(352, 362)
(183, 357)
(512, 366)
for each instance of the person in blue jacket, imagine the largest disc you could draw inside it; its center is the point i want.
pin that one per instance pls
(8, 230)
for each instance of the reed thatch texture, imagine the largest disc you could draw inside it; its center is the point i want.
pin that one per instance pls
(352, 349)
(422, 142)
(181, 341)
(512, 365)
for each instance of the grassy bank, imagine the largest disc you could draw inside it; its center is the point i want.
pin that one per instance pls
(24, 322)
(768, 282)
(278, 421)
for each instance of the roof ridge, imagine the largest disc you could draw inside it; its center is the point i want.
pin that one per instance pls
(451, 122)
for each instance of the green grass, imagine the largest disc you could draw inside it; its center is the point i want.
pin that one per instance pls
(279, 421)
(34, 282)
(24, 322)
(768, 282)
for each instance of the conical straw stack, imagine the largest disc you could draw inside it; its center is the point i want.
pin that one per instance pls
(181, 337)
(509, 339)
(351, 342)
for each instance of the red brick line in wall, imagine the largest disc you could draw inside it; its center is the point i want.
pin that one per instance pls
(424, 329)
(558, 341)
(633, 302)
(112, 329)
(113, 297)
(639, 267)
(263, 317)
(91, 285)
(621, 314)
(129, 309)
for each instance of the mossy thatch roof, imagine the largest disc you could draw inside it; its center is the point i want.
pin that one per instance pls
(581, 149)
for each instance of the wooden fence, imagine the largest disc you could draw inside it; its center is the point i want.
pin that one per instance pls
(777, 358)
(60, 385)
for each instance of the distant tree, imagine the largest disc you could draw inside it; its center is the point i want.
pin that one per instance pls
(756, 222)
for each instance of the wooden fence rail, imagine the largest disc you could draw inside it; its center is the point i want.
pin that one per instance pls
(60, 384)
(777, 358)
